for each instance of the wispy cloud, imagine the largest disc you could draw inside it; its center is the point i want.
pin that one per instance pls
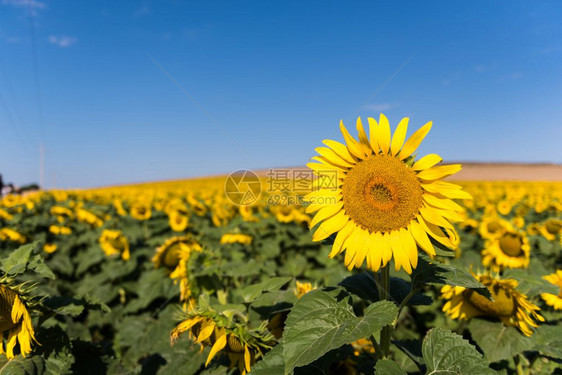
(62, 41)
(479, 68)
(379, 107)
(446, 82)
(31, 5)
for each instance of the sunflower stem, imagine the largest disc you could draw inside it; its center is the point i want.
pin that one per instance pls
(378, 350)
(386, 332)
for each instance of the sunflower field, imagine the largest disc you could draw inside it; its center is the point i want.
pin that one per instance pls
(377, 265)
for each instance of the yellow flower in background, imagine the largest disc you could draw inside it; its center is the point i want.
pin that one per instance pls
(15, 321)
(118, 204)
(5, 215)
(58, 229)
(61, 211)
(504, 207)
(173, 250)
(551, 228)
(511, 249)
(50, 248)
(508, 305)
(88, 217)
(493, 225)
(12, 235)
(198, 208)
(518, 222)
(114, 242)
(362, 346)
(141, 210)
(384, 204)
(243, 239)
(552, 299)
(302, 288)
(247, 213)
(178, 220)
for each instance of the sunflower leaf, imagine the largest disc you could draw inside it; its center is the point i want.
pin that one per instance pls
(252, 292)
(17, 261)
(272, 363)
(433, 272)
(446, 352)
(388, 367)
(498, 341)
(323, 320)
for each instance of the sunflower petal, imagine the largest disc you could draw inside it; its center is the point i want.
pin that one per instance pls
(219, 345)
(399, 136)
(414, 141)
(363, 139)
(341, 238)
(326, 212)
(383, 134)
(373, 127)
(421, 238)
(436, 173)
(409, 246)
(426, 162)
(352, 145)
(332, 157)
(340, 149)
(330, 226)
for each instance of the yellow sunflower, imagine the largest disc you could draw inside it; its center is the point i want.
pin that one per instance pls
(552, 299)
(141, 210)
(114, 242)
(50, 248)
(88, 217)
(168, 255)
(241, 344)
(59, 229)
(511, 249)
(302, 288)
(178, 220)
(15, 322)
(5, 215)
(492, 225)
(508, 305)
(243, 239)
(551, 228)
(12, 235)
(384, 203)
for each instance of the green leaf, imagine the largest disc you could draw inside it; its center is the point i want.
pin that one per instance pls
(272, 363)
(531, 285)
(548, 340)
(22, 366)
(446, 352)
(388, 367)
(324, 320)
(498, 341)
(432, 272)
(252, 292)
(363, 285)
(16, 262)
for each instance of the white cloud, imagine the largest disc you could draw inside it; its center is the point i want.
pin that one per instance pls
(379, 107)
(62, 41)
(24, 3)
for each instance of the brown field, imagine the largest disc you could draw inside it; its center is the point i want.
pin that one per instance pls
(509, 172)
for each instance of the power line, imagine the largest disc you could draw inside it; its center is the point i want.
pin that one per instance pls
(36, 73)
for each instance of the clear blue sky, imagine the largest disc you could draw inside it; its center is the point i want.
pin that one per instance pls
(275, 75)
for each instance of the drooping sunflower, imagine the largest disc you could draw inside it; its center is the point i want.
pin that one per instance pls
(114, 242)
(552, 299)
(509, 305)
(174, 255)
(384, 203)
(510, 249)
(551, 228)
(15, 320)
(242, 344)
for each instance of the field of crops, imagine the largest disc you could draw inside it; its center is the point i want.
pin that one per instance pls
(183, 278)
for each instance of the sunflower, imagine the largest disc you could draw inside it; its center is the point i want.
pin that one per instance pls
(511, 249)
(169, 254)
(141, 210)
(552, 299)
(15, 321)
(61, 212)
(362, 346)
(302, 288)
(12, 235)
(59, 229)
(114, 242)
(240, 343)
(178, 220)
(5, 215)
(88, 217)
(50, 248)
(551, 228)
(386, 203)
(492, 225)
(508, 305)
(243, 239)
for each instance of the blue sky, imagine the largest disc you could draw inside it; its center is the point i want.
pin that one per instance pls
(265, 82)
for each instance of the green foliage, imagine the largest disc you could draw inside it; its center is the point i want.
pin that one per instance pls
(446, 352)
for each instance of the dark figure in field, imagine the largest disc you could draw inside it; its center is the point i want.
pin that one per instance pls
(1, 185)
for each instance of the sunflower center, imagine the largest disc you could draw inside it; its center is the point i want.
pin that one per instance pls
(494, 226)
(510, 244)
(553, 227)
(7, 297)
(502, 305)
(171, 259)
(381, 194)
